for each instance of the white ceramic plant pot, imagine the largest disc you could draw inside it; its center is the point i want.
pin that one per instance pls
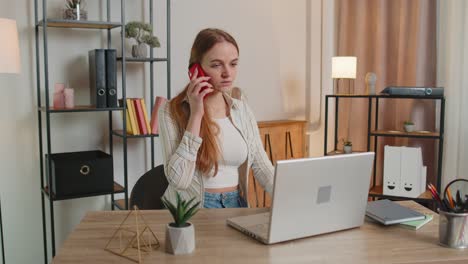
(347, 149)
(180, 240)
(409, 128)
(139, 50)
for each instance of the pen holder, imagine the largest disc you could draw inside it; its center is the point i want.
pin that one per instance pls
(453, 229)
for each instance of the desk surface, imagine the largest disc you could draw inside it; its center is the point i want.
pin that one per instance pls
(218, 243)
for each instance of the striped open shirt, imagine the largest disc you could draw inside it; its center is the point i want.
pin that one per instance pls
(180, 154)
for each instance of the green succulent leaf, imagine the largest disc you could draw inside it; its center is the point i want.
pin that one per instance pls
(182, 211)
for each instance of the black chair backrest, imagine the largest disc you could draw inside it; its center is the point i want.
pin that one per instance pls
(147, 192)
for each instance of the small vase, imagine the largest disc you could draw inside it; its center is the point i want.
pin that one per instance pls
(139, 51)
(347, 149)
(75, 14)
(409, 128)
(180, 240)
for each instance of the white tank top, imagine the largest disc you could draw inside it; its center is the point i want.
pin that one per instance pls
(233, 155)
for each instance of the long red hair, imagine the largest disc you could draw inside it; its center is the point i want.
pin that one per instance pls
(209, 151)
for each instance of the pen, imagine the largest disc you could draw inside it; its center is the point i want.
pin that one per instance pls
(436, 197)
(449, 198)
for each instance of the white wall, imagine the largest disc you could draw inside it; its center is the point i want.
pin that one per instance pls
(279, 74)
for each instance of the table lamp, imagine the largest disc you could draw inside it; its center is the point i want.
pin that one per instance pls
(344, 67)
(9, 48)
(9, 63)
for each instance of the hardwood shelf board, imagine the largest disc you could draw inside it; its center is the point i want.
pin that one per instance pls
(340, 152)
(117, 189)
(87, 24)
(120, 133)
(263, 124)
(384, 96)
(79, 108)
(352, 96)
(377, 191)
(398, 133)
(130, 59)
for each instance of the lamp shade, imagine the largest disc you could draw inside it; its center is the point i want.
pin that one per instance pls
(344, 67)
(9, 48)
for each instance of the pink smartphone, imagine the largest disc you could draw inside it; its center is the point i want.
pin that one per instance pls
(201, 73)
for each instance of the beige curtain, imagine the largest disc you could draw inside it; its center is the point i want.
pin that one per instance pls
(396, 39)
(452, 73)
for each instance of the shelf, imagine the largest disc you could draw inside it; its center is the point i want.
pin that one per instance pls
(79, 108)
(117, 189)
(130, 59)
(384, 96)
(120, 133)
(377, 191)
(340, 152)
(352, 95)
(63, 23)
(397, 133)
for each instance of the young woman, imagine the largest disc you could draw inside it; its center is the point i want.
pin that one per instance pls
(209, 139)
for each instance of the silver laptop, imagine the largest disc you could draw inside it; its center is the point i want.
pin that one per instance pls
(312, 196)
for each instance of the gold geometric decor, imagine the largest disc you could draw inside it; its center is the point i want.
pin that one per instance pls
(133, 238)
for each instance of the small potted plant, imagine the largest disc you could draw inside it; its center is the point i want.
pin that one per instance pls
(409, 126)
(347, 146)
(180, 234)
(74, 10)
(143, 34)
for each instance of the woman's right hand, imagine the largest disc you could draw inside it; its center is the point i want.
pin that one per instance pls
(195, 94)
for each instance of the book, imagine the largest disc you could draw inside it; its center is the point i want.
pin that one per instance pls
(388, 212)
(154, 114)
(129, 124)
(111, 77)
(131, 109)
(97, 78)
(145, 114)
(140, 116)
(416, 224)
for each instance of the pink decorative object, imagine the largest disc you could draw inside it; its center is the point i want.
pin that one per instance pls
(154, 114)
(69, 97)
(59, 99)
(59, 87)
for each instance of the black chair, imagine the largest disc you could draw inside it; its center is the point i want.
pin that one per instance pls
(147, 192)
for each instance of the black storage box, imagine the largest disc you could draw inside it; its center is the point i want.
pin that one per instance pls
(81, 173)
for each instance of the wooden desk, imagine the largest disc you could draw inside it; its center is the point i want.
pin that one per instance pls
(218, 243)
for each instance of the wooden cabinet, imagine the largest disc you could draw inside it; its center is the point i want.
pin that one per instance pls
(282, 139)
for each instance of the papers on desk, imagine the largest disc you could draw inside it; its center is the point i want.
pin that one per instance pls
(415, 225)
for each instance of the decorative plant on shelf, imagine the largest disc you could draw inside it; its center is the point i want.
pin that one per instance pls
(347, 145)
(74, 10)
(180, 234)
(409, 126)
(143, 34)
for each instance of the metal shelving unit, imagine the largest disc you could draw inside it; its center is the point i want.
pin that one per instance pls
(44, 109)
(122, 133)
(376, 191)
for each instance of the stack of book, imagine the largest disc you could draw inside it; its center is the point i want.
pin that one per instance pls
(388, 213)
(138, 122)
(137, 117)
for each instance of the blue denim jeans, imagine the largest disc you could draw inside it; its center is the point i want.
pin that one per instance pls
(224, 200)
